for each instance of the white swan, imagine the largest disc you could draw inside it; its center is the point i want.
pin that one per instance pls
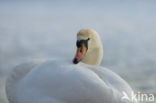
(61, 81)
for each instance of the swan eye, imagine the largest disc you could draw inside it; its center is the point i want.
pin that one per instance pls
(81, 49)
(78, 44)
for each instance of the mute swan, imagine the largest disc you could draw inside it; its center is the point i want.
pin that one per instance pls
(61, 81)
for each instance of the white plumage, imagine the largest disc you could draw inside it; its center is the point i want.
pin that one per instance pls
(61, 81)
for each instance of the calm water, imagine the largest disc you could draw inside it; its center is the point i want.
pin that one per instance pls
(31, 30)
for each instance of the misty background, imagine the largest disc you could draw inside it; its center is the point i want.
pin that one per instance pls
(47, 29)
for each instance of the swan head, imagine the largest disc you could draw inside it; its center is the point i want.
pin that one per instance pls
(89, 47)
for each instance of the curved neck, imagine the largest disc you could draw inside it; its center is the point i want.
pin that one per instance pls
(94, 54)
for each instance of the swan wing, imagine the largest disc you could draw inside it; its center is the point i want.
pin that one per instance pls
(18, 73)
(60, 81)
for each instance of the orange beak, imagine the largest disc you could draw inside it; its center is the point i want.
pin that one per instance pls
(81, 51)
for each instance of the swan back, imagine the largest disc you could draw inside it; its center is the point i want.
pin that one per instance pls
(51, 82)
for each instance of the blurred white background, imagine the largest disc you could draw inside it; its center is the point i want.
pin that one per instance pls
(47, 29)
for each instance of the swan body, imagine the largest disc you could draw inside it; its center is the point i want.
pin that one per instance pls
(61, 81)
